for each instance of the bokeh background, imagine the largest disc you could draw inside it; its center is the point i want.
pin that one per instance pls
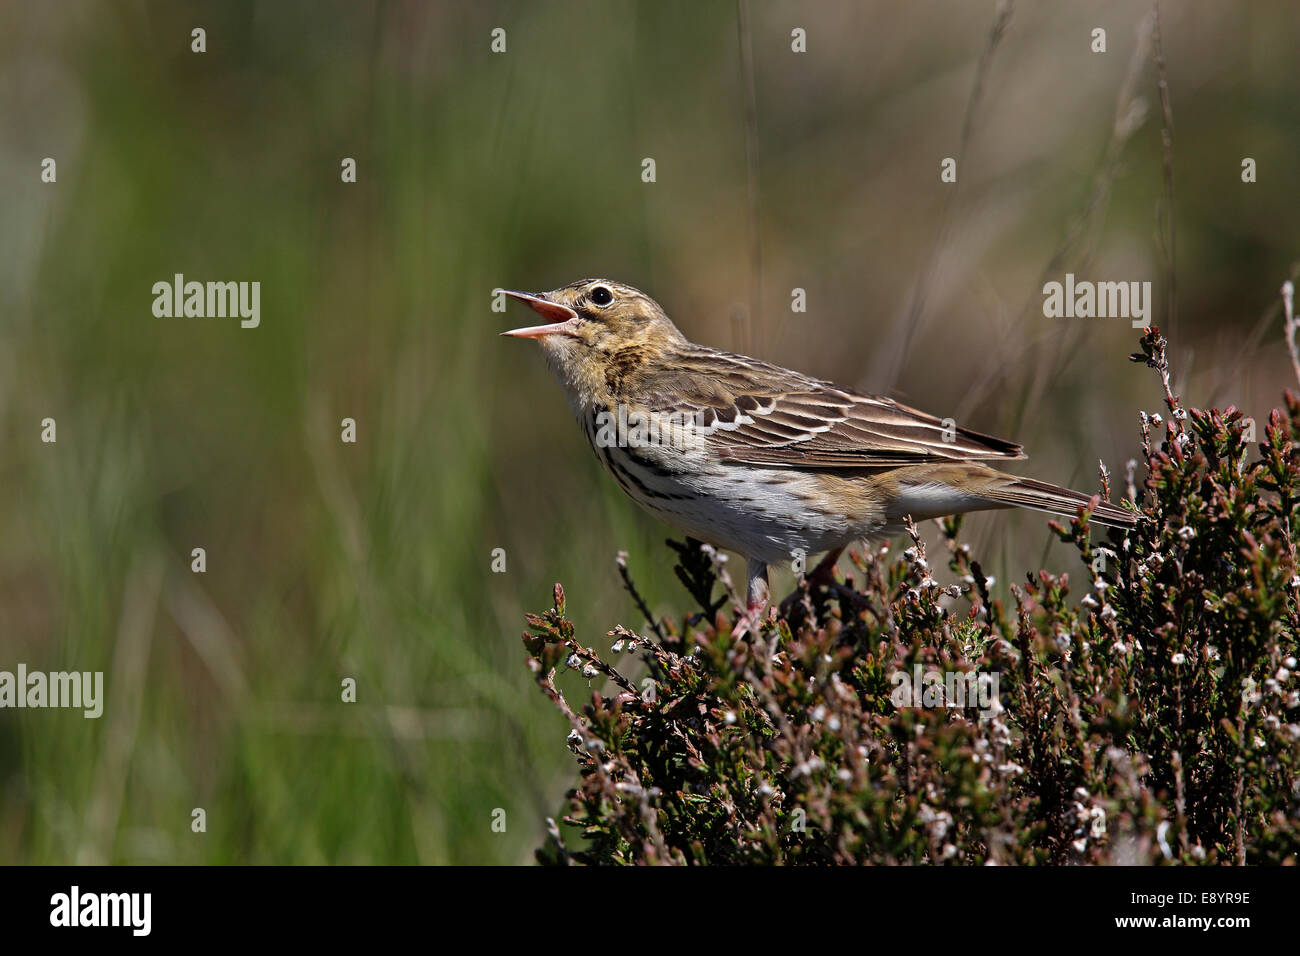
(522, 169)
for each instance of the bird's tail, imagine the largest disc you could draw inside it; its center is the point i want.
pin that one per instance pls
(1042, 496)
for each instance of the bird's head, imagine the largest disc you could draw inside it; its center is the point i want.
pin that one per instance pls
(596, 325)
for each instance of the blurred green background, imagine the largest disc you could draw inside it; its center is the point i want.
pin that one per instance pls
(522, 169)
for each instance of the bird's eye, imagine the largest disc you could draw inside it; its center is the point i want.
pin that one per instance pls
(601, 295)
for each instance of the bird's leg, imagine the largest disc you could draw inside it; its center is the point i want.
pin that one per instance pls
(756, 584)
(755, 598)
(822, 576)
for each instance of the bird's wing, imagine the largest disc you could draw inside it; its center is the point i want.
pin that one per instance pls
(750, 412)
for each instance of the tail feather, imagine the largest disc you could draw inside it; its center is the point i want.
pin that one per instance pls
(1042, 496)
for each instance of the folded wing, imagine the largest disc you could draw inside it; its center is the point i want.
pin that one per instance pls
(754, 413)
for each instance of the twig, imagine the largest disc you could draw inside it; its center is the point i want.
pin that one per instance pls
(753, 345)
(561, 850)
(1130, 113)
(128, 682)
(1167, 147)
(636, 595)
(894, 352)
(1246, 353)
(1155, 355)
(1288, 296)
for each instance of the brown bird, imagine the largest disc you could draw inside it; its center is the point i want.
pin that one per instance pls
(760, 459)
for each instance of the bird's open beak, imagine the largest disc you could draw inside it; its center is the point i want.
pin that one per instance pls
(561, 319)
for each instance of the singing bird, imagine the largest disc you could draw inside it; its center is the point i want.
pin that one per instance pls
(759, 459)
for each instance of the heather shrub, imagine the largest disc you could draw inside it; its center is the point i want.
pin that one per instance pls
(1146, 711)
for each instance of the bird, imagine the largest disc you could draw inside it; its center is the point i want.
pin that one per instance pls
(757, 459)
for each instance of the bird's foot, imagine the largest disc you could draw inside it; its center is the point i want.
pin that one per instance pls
(756, 599)
(822, 576)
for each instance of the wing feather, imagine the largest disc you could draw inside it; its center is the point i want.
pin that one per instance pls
(750, 412)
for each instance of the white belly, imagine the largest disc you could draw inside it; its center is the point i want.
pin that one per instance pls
(772, 514)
